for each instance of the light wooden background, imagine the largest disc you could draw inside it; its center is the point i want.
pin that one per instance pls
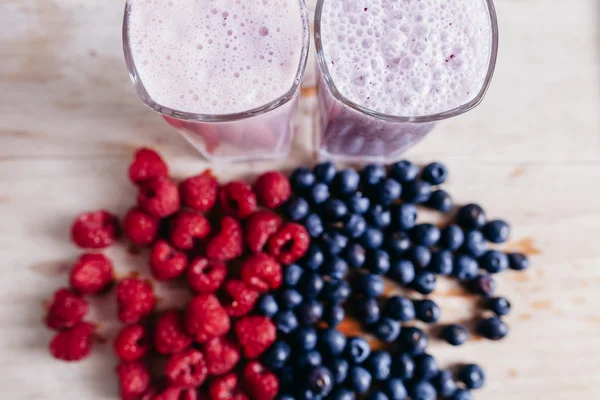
(69, 119)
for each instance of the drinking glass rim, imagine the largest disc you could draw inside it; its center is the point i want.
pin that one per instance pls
(414, 119)
(189, 116)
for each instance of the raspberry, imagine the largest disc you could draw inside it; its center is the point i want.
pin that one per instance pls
(132, 343)
(237, 199)
(140, 228)
(222, 355)
(206, 276)
(261, 272)
(200, 192)
(91, 274)
(73, 344)
(272, 189)
(260, 383)
(169, 334)
(134, 380)
(166, 262)
(227, 244)
(255, 334)
(187, 228)
(226, 387)
(240, 298)
(290, 243)
(66, 310)
(95, 229)
(206, 318)
(135, 299)
(147, 165)
(176, 393)
(260, 226)
(159, 197)
(186, 369)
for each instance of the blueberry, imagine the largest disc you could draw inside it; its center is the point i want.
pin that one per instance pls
(397, 244)
(290, 299)
(518, 261)
(399, 308)
(296, 208)
(354, 226)
(333, 315)
(277, 355)
(286, 397)
(386, 330)
(404, 171)
(499, 305)
(422, 390)
(402, 271)
(420, 256)
(335, 267)
(333, 242)
(292, 274)
(335, 210)
(335, 292)
(462, 394)
(367, 310)
(313, 225)
(339, 367)
(426, 367)
(359, 380)
(496, 231)
(369, 285)
(307, 394)
(455, 334)
(424, 282)
(332, 341)
(452, 237)
(372, 238)
(310, 312)
(395, 389)
(305, 339)
(435, 173)
(286, 321)
(379, 365)
(324, 172)
(313, 258)
(416, 192)
(267, 305)
(475, 244)
(403, 366)
(427, 311)
(492, 328)
(302, 179)
(444, 384)
(472, 376)
(377, 396)
(442, 262)
(355, 255)
(310, 358)
(318, 194)
(372, 174)
(346, 181)
(357, 350)
(404, 216)
(494, 261)
(465, 267)
(379, 217)
(413, 340)
(440, 200)
(358, 204)
(342, 394)
(387, 192)
(471, 217)
(311, 284)
(378, 262)
(483, 284)
(320, 381)
(426, 234)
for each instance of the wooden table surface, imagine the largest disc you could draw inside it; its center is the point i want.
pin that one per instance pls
(69, 119)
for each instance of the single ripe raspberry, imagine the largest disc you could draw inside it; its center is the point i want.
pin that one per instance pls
(169, 334)
(92, 274)
(227, 244)
(186, 369)
(261, 272)
(187, 228)
(240, 298)
(222, 355)
(95, 229)
(135, 299)
(159, 197)
(166, 262)
(255, 335)
(260, 383)
(290, 243)
(226, 387)
(260, 226)
(147, 165)
(176, 393)
(200, 192)
(237, 199)
(206, 276)
(272, 189)
(73, 344)
(206, 318)
(66, 310)
(131, 343)
(134, 380)
(140, 228)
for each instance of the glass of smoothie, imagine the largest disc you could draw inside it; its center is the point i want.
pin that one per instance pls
(225, 73)
(389, 69)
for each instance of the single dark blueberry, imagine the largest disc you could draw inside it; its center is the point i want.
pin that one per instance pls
(492, 328)
(427, 311)
(465, 267)
(379, 365)
(335, 267)
(308, 359)
(426, 367)
(455, 334)
(289, 299)
(518, 261)
(357, 350)
(386, 329)
(379, 217)
(320, 381)
(286, 321)
(372, 238)
(313, 258)
(311, 284)
(359, 380)
(435, 173)
(296, 208)
(358, 204)
(378, 395)
(399, 308)
(452, 237)
(306, 394)
(332, 342)
(422, 390)
(355, 255)
(462, 394)
(378, 262)
(292, 274)
(404, 216)
(499, 305)
(404, 171)
(440, 200)
(496, 231)
(471, 217)
(397, 244)
(346, 181)
(335, 291)
(395, 389)
(426, 234)
(483, 284)
(333, 315)
(267, 305)
(342, 394)
(277, 355)
(420, 256)
(413, 340)
(403, 366)
(309, 312)
(417, 192)
(402, 271)
(333, 242)
(302, 179)
(424, 282)
(367, 310)
(372, 174)
(304, 339)
(335, 210)
(369, 285)
(387, 192)
(318, 194)
(354, 226)
(324, 172)
(475, 244)
(444, 384)
(313, 225)
(494, 261)
(472, 376)
(339, 367)
(442, 262)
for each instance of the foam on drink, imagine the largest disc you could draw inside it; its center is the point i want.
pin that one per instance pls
(215, 56)
(407, 57)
